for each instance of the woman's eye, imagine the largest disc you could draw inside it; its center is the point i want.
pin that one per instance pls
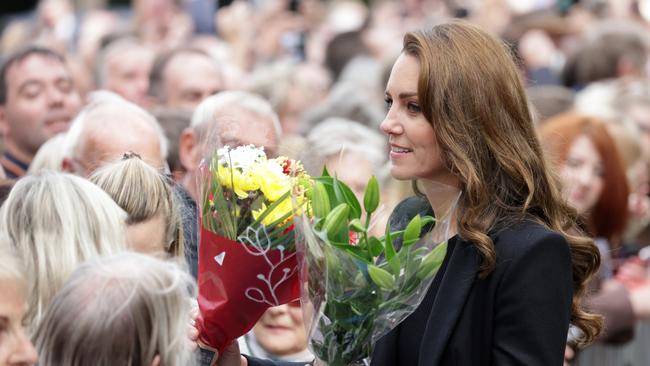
(413, 107)
(599, 171)
(573, 163)
(389, 102)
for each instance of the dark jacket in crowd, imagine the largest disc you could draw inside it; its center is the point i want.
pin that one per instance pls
(190, 229)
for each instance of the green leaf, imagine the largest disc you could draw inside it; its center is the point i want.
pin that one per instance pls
(432, 262)
(344, 194)
(223, 211)
(381, 278)
(412, 231)
(371, 195)
(391, 255)
(376, 247)
(354, 251)
(325, 172)
(271, 207)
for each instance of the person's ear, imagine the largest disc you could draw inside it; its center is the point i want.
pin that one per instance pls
(189, 151)
(156, 361)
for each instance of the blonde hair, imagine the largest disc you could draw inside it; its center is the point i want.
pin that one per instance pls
(119, 310)
(56, 221)
(143, 193)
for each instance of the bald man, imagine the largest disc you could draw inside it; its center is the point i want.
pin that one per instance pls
(107, 128)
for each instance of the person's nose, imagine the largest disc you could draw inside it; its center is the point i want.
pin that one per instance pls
(55, 96)
(24, 353)
(390, 125)
(277, 310)
(585, 176)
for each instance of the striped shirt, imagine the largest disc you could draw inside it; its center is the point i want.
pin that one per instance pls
(13, 167)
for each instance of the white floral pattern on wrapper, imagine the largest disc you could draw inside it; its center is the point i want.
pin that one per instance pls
(260, 246)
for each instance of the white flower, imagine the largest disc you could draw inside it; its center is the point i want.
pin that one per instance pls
(243, 157)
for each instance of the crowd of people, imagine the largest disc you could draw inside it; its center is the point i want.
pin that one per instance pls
(107, 110)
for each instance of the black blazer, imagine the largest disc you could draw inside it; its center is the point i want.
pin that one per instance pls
(518, 315)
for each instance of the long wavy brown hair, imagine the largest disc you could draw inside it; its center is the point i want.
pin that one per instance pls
(470, 90)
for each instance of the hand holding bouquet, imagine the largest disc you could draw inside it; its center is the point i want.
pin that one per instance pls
(247, 258)
(361, 286)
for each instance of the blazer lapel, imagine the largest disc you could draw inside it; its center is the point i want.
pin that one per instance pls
(454, 287)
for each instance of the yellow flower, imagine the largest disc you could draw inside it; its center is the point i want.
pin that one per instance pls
(240, 182)
(285, 207)
(272, 182)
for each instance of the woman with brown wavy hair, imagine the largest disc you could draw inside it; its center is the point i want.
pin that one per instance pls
(513, 276)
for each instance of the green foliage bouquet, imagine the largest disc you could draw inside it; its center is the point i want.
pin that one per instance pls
(357, 286)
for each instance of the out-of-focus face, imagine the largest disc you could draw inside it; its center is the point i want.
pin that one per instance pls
(241, 127)
(127, 74)
(351, 168)
(147, 237)
(15, 347)
(41, 102)
(190, 78)
(414, 151)
(582, 175)
(281, 330)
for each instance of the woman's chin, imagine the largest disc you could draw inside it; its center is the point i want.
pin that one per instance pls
(399, 174)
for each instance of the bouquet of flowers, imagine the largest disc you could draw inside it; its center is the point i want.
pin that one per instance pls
(359, 286)
(247, 257)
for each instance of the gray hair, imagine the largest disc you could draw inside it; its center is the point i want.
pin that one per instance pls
(12, 268)
(101, 99)
(235, 99)
(56, 221)
(336, 135)
(120, 310)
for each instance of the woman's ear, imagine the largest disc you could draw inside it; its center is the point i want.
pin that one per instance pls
(156, 361)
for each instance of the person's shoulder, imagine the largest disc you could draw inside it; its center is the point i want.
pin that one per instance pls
(527, 236)
(407, 209)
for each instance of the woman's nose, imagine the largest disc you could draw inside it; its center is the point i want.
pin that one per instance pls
(25, 353)
(390, 125)
(585, 176)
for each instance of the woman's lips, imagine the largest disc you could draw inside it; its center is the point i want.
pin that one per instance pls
(397, 151)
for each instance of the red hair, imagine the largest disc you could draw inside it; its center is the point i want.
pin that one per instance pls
(609, 216)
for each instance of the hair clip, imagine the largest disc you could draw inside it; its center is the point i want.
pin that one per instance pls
(130, 155)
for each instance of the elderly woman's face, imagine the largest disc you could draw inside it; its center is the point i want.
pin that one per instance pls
(414, 152)
(15, 347)
(582, 175)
